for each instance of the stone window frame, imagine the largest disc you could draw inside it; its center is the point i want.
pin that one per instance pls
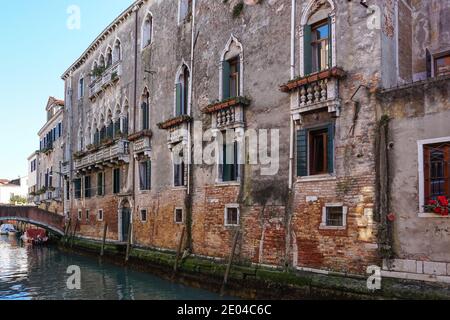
(141, 216)
(87, 213)
(178, 74)
(239, 137)
(232, 206)
(80, 215)
(143, 99)
(421, 171)
(182, 19)
(232, 40)
(152, 25)
(323, 223)
(116, 59)
(304, 21)
(183, 218)
(100, 215)
(434, 57)
(81, 88)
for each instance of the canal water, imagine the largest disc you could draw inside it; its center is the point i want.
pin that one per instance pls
(40, 273)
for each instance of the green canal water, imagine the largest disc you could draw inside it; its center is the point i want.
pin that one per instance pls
(40, 273)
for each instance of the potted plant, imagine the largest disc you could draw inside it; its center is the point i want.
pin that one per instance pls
(440, 206)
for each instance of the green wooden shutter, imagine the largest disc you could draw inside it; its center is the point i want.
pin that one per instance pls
(227, 168)
(302, 153)
(149, 175)
(330, 151)
(307, 50)
(330, 44)
(226, 80)
(178, 101)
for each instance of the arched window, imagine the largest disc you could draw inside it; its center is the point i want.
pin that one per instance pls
(102, 129)
(94, 71)
(102, 61)
(109, 126)
(109, 57)
(232, 70)
(117, 52)
(125, 118)
(147, 30)
(317, 37)
(182, 91)
(116, 121)
(145, 111)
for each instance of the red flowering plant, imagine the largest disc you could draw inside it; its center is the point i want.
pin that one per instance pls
(439, 206)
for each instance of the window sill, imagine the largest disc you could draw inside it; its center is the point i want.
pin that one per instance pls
(228, 184)
(323, 227)
(432, 215)
(229, 226)
(325, 177)
(179, 188)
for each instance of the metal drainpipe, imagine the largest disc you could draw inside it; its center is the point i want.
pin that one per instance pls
(292, 125)
(133, 164)
(191, 99)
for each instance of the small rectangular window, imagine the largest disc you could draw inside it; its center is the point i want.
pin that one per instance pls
(80, 215)
(232, 216)
(100, 215)
(87, 215)
(67, 190)
(179, 216)
(81, 88)
(334, 216)
(143, 215)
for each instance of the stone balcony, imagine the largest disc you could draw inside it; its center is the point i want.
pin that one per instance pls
(141, 143)
(107, 155)
(177, 129)
(53, 194)
(65, 168)
(108, 78)
(315, 92)
(227, 114)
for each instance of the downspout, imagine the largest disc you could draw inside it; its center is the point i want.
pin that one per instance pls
(191, 89)
(188, 201)
(289, 204)
(292, 127)
(133, 164)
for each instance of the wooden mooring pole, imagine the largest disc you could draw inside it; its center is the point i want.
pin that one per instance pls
(127, 254)
(74, 233)
(180, 247)
(66, 231)
(230, 262)
(105, 229)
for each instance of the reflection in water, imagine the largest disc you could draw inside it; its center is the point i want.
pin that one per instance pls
(40, 273)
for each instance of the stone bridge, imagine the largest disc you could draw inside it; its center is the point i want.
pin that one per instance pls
(35, 216)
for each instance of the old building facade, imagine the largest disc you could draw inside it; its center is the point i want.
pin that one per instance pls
(45, 165)
(169, 83)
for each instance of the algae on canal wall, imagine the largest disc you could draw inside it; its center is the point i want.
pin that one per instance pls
(260, 282)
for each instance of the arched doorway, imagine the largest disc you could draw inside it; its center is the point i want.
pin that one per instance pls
(125, 220)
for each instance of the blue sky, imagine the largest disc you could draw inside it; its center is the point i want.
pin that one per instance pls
(37, 47)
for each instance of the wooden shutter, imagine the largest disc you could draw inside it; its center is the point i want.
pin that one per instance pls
(330, 148)
(226, 80)
(302, 153)
(330, 44)
(227, 168)
(149, 174)
(144, 108)
(179, 101)
(307, 50)
(429, 62)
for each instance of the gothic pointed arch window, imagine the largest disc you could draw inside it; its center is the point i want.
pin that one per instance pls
(318, 37)
(109, 57)
(147, 30)
(182, 88)
(102, 63)
(125, 118)
(231, 70)
(109, 125)
(117, 51)
(116, 123)
(145, 110)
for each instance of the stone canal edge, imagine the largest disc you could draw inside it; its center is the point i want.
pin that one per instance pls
(255, 281)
